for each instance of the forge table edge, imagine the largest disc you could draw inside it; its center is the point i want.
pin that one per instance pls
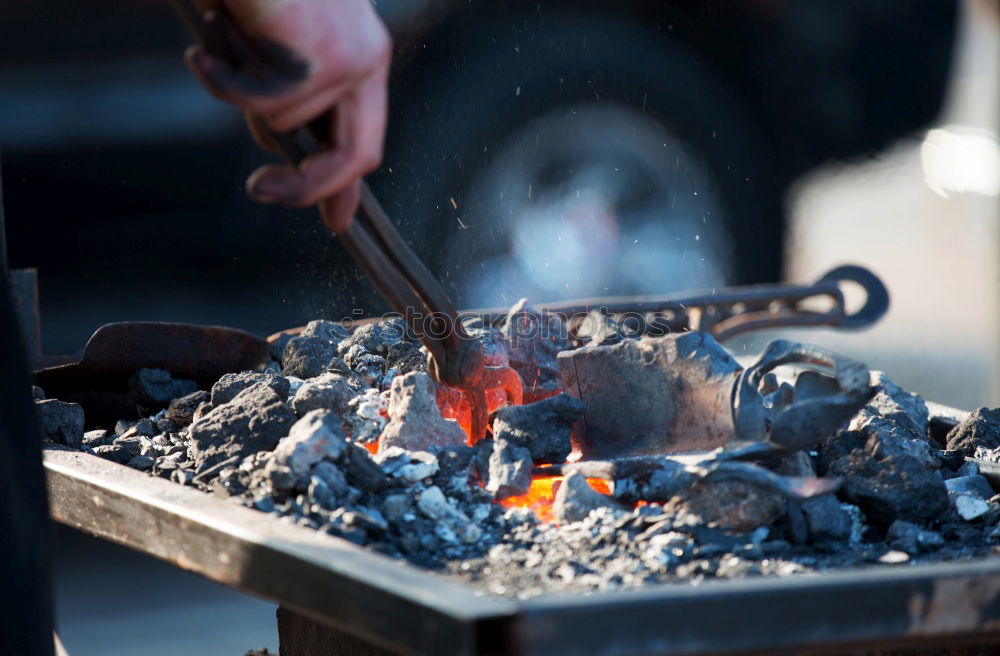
(386, 602)
(406, 609)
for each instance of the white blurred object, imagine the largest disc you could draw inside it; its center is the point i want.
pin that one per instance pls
(959, 159)
(924, 216)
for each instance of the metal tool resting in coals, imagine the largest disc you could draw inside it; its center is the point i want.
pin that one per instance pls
(456, 359)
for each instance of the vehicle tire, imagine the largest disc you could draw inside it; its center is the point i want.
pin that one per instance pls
(586, 157)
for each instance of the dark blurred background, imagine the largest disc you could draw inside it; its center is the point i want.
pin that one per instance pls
(548, 150)
(541, 149)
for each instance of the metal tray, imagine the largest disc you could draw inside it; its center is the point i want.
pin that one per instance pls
(403, 608)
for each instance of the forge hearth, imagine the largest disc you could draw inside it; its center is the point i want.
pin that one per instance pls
(634, 461)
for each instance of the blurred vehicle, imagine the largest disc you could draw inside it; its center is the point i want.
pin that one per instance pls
(562, 149)
(549, 149)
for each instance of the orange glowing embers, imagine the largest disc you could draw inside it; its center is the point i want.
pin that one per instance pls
(542, 494)
(455, 405)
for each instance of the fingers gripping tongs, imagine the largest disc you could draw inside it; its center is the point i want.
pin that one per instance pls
(455, 358)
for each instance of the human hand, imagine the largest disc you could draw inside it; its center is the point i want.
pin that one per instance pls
(330, 56)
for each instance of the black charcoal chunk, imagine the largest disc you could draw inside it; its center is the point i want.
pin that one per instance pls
(395, 506)
(912, 539)
(253, 421)
(892, 476)
(375, 338)
(457, 460)
(181, 411)
(452, 525)
(952, 460)
(143, 463)
(969, 507)
(155, 388)
(317, 436)
(329, 331)
(332, 476)
(542, 427)
(405, 357)
(362, 471)
(319, 492)
(369, 366)
(227, 387)
(61, 422)
(651, 478)
(131, 443)
(826, 520)
(895, 404)
(329, 391)
(509, 470)
(575, 499)
(98, 437)
(731, 504)
(968, 468)
(307, 357)
(980, 430)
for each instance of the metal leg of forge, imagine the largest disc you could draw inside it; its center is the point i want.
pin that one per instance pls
(301, 636)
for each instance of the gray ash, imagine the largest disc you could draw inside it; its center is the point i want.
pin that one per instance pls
(293, 440)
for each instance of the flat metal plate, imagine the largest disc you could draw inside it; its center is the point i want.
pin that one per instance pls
(404, 608)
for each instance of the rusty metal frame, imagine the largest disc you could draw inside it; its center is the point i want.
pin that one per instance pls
(408, 610)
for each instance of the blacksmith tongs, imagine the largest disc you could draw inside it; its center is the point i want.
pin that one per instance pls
(456, 359)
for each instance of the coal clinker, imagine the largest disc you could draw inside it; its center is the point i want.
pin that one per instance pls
(415, 421)
(912, 539)
(330, 332)
(509, 472)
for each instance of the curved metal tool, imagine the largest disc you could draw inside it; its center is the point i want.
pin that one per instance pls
(727, 312)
